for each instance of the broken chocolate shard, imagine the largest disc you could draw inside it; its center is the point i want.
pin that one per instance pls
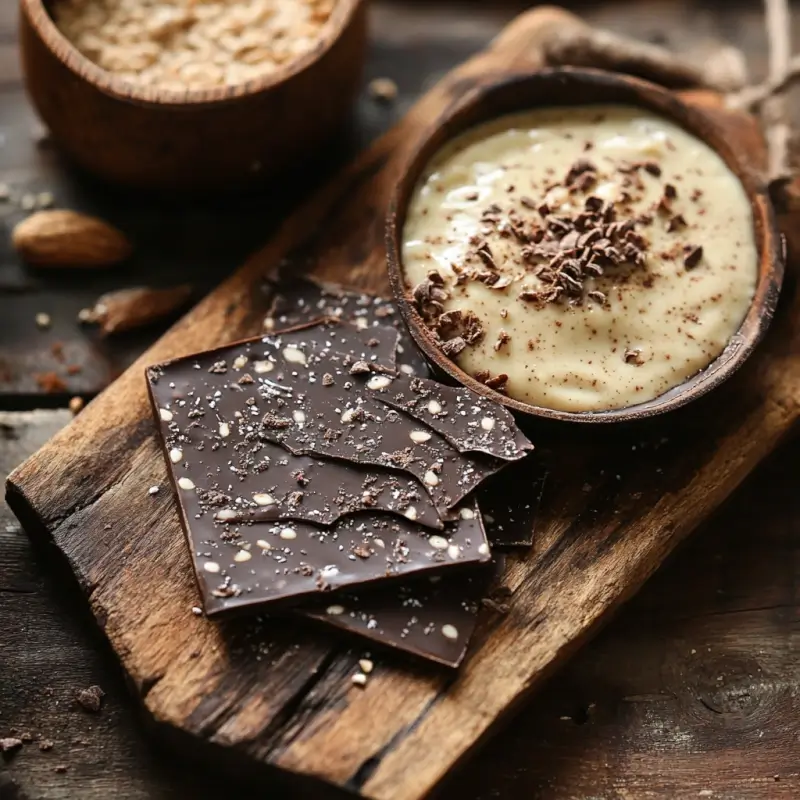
(303, 300)
(511, 504)
(467, 420)
(431, 618)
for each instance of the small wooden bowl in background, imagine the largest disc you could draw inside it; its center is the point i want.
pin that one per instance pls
(574, 87)
(225, 136)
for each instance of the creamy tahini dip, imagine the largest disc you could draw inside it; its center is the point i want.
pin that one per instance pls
(580, 258)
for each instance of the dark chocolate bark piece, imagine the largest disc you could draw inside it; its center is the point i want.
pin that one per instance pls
(431, 618)
(240, 476)
(471, 423)
(299, 300)
(510, 504)
(253, 565)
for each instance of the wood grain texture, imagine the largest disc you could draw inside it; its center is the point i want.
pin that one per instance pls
(618, 505)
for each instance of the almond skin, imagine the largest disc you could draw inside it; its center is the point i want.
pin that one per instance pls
(63, 238)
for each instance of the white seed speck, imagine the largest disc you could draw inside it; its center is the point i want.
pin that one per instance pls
(226, 515)
(186, 483)
(450, 632)
(43, 320)
(165, 414)
(224, 429)
(466, 513)
(410, 513)
(175, 455)
(264, 545)
(269, 324)
(299, 417)
(378, 542)
(197, 611)
(242, 556)
(431, 478)
(454, 552)
(377, 382)
(45, 199)
(288, 533)
(211, 566)
(438, 542)
(260, 367)
(419, 437)
(329, 571)
(334, 611)
(294, 355)
(262, 499)
(435, 407)
(239, 362)
(366, 665)
(407, 369)
(362, 323)
(487, 423)
(359, 679)
(153, 490)
(483, 549)
(347, 416)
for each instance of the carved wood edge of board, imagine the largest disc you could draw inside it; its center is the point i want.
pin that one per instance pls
(616, 505)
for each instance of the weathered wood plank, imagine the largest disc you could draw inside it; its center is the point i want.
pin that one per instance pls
(294, 708)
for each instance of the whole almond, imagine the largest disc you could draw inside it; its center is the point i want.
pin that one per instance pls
(63, 238)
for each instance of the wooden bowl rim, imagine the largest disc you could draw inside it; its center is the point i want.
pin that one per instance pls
(646, 95)
(107, 82)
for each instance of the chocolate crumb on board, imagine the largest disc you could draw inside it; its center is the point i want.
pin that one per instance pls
(9, 745)
(91, 698)
(301, 300)
(467, 420)
(46, 745)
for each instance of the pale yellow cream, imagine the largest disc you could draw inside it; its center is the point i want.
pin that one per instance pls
(654, 325)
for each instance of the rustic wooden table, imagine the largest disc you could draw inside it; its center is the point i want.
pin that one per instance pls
(691, 692)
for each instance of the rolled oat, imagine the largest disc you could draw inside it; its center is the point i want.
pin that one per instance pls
(192, 44)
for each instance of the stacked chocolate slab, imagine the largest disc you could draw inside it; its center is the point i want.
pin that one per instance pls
(306, 463)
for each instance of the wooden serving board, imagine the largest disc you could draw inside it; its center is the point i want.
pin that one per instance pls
(265, 695)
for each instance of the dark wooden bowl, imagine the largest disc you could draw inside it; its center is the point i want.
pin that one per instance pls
(560, 87)
(154, 138)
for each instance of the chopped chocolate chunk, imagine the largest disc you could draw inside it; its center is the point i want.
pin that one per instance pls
(692, 256)
(653, 168)
(580, 167)
(676, 223)
(430, 294)
(452, 347)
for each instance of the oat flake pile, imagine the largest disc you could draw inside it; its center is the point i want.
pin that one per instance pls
(191, 44)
